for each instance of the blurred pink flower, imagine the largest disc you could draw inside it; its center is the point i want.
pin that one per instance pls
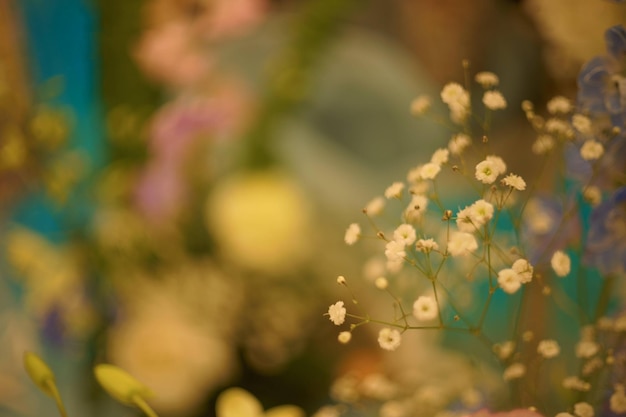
(169, 54)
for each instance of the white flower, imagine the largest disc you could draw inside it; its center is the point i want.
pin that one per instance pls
(352, 234)
(381, 283)
(559, 127)
(420, 105)
(464, 221)
(487, 171)
(509, 280)
(344, 337)
(341, 280)
(559, 105)
(426, 245)
(575, 383)
(486, 79)
(375, 206)
(416, 207)
(592, 194)
(453, 94)
(591, 150)
(498, 163)
(430, 170)
(583, 409)
(548, 348)
(581, 123)
(462, 243)
(458, 143)
(394, 251)
(394, 190)
(543, 144)
(494, 100)
(389, 339)
(561, 263)
(337, 313)
(481, 212)
(514, 181)
(425, 308)
(524, 269)
(618, 400)
(405, 234)
(504, 350)
(514, 371)
(440, 156)
(586, 348)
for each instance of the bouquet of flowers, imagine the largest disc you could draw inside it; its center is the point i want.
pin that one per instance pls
(520, 277)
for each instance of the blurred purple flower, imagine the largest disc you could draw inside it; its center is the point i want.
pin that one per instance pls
(606, 242)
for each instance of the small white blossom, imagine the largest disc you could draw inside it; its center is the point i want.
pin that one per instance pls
(509, 280)
(394, 190)
(481, 212)
(352, 234)
(416, 207)
(381, 283)
(453, 94)
(505, 350)
(488, 170)
(464, 221)
(543, 144)
(559, 105)
(514, 181)
(458, 143)
(548, 348)
(394, 251)
(344, 337)
(440, 156)
(486, 79)
(576, 384)
(337, 313)
(586, 348)
(462, 243)
(494, 100)
(341, 280)
(514, 371)
(430, 170)
(420, 105)
(591, 150)
(593, 195)
(498, 163)
(561, 263)
(389, 339)
(524, 269)
(405, 234)
(617, 402)
(425, 308)
(583, 409)
(426, 245)
(559, 127)
(375, 206)
(581, 123)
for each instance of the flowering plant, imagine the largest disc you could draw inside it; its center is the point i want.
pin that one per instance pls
(520, 278)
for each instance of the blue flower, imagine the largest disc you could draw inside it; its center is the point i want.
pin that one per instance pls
(606, 242)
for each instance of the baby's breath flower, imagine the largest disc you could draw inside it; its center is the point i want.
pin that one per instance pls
(591, 150)
(341, 280)
(425, 308)
(458, 143)
(561, 263)
(488, 170)
(416, 207)
(414, 175)
(559, 127)
(593, 195)
(514, 371)
(576, 384)
(375, 206)
(524, 270)
(498, 162)
(337, 313)
(440, 156)
(381, 283)
(352, 234)
(559, 105)
(486, 79)
(389, 339)
(426, 245)
(618, 400)
(430, 170)
(548, 348)
(420, 105)
(581, 123)
(583, 409)
(586, 348)
(394, 190)
(527, 106)
(509, 280)
(543, 144)
(405, 234)
(514, 181)
(344, 337)
(481, 212)
(494, 100)
(394, 251)
(464, 221)
(462, 243)
(453, 94)
(504, 350)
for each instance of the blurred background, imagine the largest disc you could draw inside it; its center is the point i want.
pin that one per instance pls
(176, 176)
